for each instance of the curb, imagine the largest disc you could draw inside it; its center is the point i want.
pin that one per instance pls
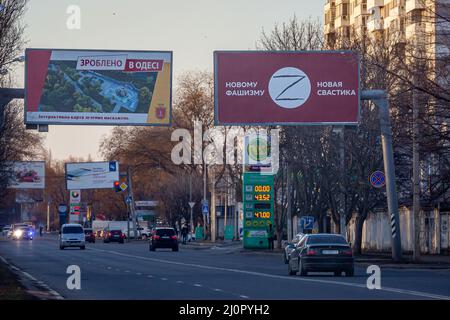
(34, 287)
(383, 264)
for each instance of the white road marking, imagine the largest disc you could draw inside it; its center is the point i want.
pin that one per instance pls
(127, 271)
(109, 268)
(29, 276)
(138, 273)
(244, 297)
(197, 285)
(164, 279)
(260, 274)
(149, 276)
(180, 282)
(218, 290)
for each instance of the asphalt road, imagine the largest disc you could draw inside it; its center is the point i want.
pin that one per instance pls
(131, 271)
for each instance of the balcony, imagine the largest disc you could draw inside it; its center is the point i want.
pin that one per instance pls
(414, 4)
(375, 25)
(329, 28)
(397, 11)
(328, 6)
(415, 29)
(342, 21)
(374, 3)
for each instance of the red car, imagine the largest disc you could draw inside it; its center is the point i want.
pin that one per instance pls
(89, 235)
(114, 236)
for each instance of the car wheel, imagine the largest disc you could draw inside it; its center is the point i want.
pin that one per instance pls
(93, 241)
(152, 248)
(350, 272)
(290, 271)
(61, 247)
(83, 247)
(175, 248)
(301, 268)
(338, 273)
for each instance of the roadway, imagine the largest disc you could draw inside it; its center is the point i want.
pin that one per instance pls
(131, 271)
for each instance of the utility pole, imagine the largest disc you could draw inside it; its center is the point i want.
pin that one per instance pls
(289, 206)
(225, 217)
(131, 204)
(416, 173)
(48, 215)
(191, 205)
(379, 98)
(213, 208)
(342, 213)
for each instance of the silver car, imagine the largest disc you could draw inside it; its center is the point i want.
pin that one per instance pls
(290, 246)
(72, 235)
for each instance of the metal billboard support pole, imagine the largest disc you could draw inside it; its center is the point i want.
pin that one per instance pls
(379, 98)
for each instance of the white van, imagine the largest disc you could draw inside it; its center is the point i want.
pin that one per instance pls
(72, 235)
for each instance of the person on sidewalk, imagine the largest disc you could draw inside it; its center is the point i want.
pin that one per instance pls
(184, 233)
(270, 237)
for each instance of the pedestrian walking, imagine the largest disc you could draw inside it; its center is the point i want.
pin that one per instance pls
(184, 232)
(270, 237)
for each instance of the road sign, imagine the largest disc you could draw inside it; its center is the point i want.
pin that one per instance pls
(62, 208)
(128, 199)
(377, 179)
(307, 222)
(146, 203)
(191, 204)
(205, 207)
(123, 186)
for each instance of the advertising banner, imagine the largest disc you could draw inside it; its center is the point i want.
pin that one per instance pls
(282, 88)
(91, 175)
(28, 175)
(98, 87)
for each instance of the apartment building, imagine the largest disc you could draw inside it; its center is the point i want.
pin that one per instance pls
(405, 18)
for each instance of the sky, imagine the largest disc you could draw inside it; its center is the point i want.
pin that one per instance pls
(192, 29)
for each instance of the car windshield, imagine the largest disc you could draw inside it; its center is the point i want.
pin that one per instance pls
(115, 231)
(165, 232)
(73, 229)
(326, 239)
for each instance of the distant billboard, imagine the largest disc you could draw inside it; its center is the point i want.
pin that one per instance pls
(28, 175)
(96, 87)
(282, 88)
(91, 175)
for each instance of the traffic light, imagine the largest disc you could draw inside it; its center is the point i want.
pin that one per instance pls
(117, 186)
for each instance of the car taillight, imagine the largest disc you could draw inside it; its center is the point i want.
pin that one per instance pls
(347, 252)
(123, 235)
(156, 237)
(109, 234)
(174, 237)
(311, 252)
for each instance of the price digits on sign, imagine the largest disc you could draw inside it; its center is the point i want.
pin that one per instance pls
(263, 188)
(263, 214)
(262, 197)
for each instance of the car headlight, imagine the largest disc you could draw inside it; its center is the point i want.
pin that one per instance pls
(18, 233)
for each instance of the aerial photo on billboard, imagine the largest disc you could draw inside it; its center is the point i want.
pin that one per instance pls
(98, 87)
(91, 175)
(28, 175)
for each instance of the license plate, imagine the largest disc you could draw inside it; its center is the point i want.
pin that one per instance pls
(116, 236)
(330, 251)
(165, 237)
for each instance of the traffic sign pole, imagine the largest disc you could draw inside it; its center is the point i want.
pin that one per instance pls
(379, 98)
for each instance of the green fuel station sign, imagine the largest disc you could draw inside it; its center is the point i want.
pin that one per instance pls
(258, 194)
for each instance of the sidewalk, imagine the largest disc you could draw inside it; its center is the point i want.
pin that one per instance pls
(385, 260)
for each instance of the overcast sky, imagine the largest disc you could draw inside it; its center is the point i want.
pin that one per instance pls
(192, 29)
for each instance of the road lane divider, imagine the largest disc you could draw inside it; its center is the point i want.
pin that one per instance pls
(267, 275)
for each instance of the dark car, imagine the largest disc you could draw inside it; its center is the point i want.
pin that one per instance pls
(163, 237)
(114, 236)
(23, 233)
(322, 252)
(89, 235)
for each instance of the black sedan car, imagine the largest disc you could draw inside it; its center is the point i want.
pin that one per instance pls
(322, 252)
(89, 235)
(114, 236)
(163, 237)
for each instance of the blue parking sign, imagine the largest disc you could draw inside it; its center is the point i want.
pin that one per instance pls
(112, 166)
(307, 222)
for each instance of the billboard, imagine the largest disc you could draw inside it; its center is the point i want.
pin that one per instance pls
(282, 88)
(28, 175)
(97, 87)
(91, 175)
